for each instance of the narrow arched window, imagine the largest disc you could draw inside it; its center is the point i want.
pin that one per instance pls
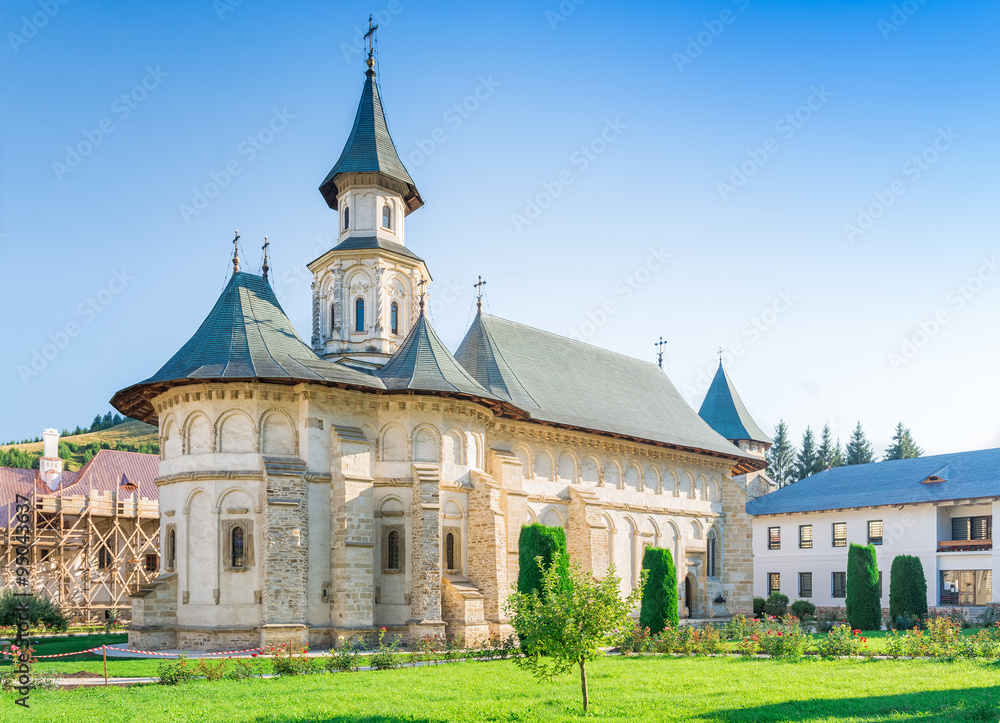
(347, 218)
(359, 314)
(333, 317)
(394, 318)
(713, 559)
(449, 551)
(392, 553)
(239, 554)
(171, 548)
(103, 558)
(386, 216)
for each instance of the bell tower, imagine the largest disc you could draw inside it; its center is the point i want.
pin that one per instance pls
(366, 289)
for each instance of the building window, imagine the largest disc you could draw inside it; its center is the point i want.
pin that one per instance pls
(151, 562)
(46, 554)
(874, 532)
(806, 537)
(238, 548)
(838, 588)
(103, 558)
(171, 548)
(449, 551)
(333, 317)
(840, 534)
(880, 583)
(392, 551)
(773, 582)
(347, 218)
(394, 317)
(773, 538)
(972, 528)
(713, 554)
(386, 216)
(359, 314)
(805, 584)
(966, 587)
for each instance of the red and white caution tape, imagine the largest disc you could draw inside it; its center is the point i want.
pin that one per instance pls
(143, 652)
(63, 655)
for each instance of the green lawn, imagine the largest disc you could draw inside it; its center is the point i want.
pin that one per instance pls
(622, 689)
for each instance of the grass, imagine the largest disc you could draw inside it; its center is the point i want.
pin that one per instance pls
(130, 431)
(622, 689)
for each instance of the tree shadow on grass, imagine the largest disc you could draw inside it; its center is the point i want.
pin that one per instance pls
(285, 718)
(967, 704)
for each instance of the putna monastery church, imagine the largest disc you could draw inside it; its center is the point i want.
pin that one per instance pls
(313, 492)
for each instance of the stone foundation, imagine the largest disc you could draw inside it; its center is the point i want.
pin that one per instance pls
(280, 633)
(216, 639)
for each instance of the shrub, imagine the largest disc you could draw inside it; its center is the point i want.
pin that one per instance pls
(740, 626)
(905, 622)
(638, 640)
(659, 596)
(241, 669)
(907, 588)
(343, 660)
(540, 541)
(776, 605)
(758, 606)
(285, 661)
(212, 669)
(175, 671)
(864, 606)
(990, 616)
(14, 676)
(842, 641)
(803, 610)
(386, 655)
(42, 610)
(787, 642)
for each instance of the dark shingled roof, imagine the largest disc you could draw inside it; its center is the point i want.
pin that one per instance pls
(567, 382)
(424, 363)
(352, 243)
(724, 411)
(246, 336)
(962, 475)
(370, 149)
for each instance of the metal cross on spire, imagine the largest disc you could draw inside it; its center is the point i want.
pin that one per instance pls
(370, 37)
(659, 351)
(265, 267)
(479, 294)
(236, 253)
(421, 285)
(721, 352)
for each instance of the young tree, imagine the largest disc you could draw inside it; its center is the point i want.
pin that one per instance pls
(539, 541)
(781, 456)
(829, 454)
(903, 446)
(864, 604)
(907, 588)
(565, 625)
(659, 595)
(859, 449)
(807, 462)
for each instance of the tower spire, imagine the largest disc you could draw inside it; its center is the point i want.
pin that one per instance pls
(479, 295)
(236, 253)
(265, 267)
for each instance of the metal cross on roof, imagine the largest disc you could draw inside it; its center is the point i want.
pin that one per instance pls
(479, 294)
(721, 352)
(659, 351)
(236, 253)
(265, 267)
(421, 285)
(370, 37)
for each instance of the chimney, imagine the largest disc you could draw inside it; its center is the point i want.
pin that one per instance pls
(50, 467)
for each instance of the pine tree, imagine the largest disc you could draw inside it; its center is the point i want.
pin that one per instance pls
(829, 454)
(903, 446)
(863, 603)
(859, 449)
(781, 456)
(96, 424)
(807, 462)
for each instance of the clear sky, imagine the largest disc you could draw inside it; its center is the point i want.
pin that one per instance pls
(810, 185)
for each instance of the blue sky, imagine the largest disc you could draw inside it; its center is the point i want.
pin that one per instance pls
(809, 185)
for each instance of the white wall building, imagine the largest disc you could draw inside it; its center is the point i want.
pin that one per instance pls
(939, 509)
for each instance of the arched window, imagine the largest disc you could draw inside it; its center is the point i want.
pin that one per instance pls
(359, 314)
(103, 558)
(347, 218)
(386, 216)
(392, 554)
(333, 317)
(449, 551)
(171, 548)
(394, 318)
(713, 555)
(238, 548)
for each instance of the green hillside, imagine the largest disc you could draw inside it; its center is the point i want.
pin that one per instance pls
(78, 449)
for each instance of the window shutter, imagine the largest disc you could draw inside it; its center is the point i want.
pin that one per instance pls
(960, 528)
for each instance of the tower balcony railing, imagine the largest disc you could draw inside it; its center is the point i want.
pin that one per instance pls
(964, 545)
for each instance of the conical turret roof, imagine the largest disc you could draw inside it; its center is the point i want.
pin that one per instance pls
(725, 413)
(370, 149)
(246, 336)
(423, 363)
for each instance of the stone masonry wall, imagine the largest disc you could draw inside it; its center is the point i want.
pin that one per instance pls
(737, 550)
(487, 540)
